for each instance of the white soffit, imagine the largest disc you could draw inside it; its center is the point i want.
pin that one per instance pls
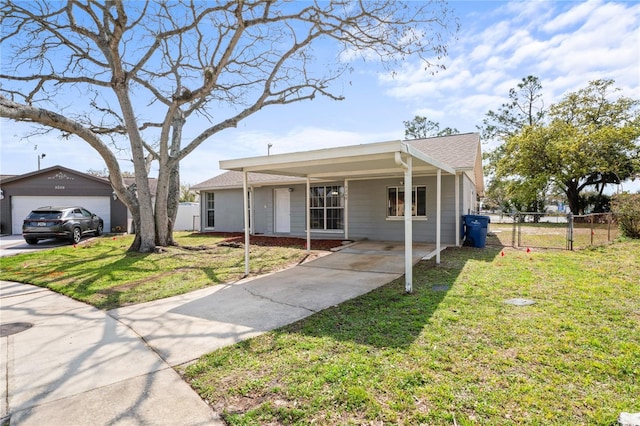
(376, 159)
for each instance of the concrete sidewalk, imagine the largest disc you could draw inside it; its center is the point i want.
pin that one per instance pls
(80, 365)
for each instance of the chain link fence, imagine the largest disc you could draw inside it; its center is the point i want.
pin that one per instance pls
(552, 230)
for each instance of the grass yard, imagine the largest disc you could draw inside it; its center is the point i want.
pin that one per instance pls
(452, 352)
(551, 235)
(102, 273)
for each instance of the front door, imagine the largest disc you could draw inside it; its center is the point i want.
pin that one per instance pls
(283, 208)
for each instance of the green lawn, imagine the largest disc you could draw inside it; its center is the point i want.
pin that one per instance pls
(450, 353)
(551, 235)
(458, 356)
(102, 273)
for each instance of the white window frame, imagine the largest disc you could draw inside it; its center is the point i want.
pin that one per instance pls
(325, 208)
(414, 193)
(209, 196)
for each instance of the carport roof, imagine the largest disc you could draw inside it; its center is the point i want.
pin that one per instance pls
(451, 154)
(367, 160)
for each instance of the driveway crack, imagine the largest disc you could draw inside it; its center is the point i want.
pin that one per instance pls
(260, 296)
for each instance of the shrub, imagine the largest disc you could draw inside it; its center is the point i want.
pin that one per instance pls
(626, 208)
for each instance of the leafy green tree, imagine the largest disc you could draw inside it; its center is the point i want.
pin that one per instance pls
(626, 208)
(186, 194)
(590, 141)
(421, 128)
(525, 107)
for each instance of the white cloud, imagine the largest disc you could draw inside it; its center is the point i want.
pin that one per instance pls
(566, 49)
(573, 16)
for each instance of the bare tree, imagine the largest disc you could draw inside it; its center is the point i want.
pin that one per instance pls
(139, 71)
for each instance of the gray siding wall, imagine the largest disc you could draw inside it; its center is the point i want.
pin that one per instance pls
(228, 211)
(367, 204)
(368, 209)
(263, 210)
(469, 195)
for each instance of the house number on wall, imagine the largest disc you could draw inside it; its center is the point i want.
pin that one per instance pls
(58, 187)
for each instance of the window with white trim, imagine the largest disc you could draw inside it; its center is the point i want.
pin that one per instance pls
(396, 201)
(327, 207)
(210, 206)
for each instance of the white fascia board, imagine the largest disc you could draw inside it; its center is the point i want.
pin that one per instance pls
(271, 162)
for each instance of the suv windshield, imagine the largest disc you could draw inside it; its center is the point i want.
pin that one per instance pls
(45, 214)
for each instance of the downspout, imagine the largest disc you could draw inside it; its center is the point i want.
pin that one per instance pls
(408, 222)
(457, 195)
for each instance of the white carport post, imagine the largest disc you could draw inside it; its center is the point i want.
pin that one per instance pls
(457, 195)
(245, 188)
(438, 213)
(308, 210)
(346, 209)
(408, 225)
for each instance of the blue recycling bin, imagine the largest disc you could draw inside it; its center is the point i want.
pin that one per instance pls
(475, 229)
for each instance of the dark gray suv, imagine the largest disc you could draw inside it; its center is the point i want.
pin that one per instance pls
(70, 223)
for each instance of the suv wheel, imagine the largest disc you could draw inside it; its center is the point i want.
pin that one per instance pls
(76, 235)
(98, 230)
(31, 241)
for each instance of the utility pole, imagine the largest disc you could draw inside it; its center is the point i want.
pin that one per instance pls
(40, 156)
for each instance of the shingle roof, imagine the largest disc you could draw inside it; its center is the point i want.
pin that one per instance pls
(458, 151)
(232, 179)
(153, 182)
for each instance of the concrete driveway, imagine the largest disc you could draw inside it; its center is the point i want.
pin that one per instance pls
(183, 328)
(79, 365)
(15, 244)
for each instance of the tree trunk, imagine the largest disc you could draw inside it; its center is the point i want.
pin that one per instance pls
(573, 196)
(145, 229)
(162, 195)
(173, 202)
(137, 240)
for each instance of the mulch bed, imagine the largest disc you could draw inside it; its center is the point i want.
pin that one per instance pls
(274, 241)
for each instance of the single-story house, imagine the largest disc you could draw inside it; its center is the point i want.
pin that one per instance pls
(351, 192)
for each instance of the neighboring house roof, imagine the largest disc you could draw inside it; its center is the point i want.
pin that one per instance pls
(6, 179)
(49, 170)
(461, 153)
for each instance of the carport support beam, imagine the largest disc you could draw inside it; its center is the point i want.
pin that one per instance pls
(245, 188)
(408, 225)
(438, 213)
(308, 209)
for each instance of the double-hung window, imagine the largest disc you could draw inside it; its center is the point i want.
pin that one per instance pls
(396, 202)
(327, 207)
(210, 206)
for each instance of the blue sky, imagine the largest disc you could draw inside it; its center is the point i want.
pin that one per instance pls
(564, 43)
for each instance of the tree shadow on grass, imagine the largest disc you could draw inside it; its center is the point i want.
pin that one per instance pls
(387, 316)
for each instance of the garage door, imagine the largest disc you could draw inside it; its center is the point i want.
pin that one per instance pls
(22, 205)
